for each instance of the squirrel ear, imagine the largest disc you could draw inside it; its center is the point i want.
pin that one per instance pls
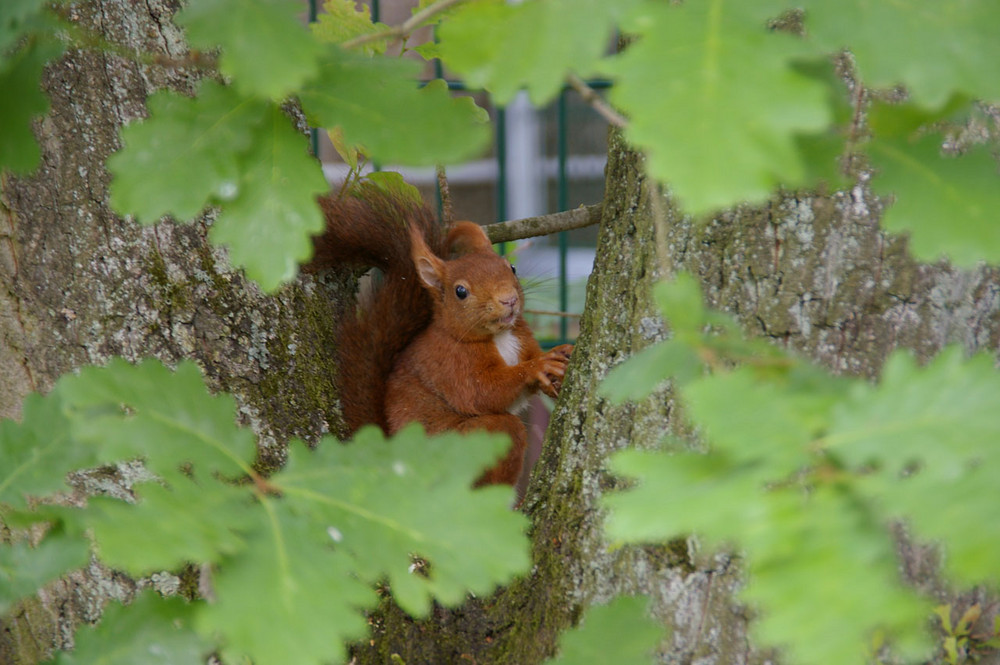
(466, 238)
(430, 269)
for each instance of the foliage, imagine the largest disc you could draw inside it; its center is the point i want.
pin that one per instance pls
(308, 544)
(728, 101)
(727, 107)
(960, 642)
(619, 632)
(804, 471)
(727, 104)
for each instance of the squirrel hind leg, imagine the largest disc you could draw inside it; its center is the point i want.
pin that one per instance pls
(508, 469)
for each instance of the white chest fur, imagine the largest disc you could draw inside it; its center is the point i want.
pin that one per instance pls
(509, 346)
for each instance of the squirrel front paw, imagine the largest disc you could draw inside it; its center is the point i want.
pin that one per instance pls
(553, 369)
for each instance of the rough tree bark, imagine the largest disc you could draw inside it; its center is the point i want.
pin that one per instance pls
(79, 285)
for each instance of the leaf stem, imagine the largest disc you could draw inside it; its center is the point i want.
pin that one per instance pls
(403, 30)
(596, 102)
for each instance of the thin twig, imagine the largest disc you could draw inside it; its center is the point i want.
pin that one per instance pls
(590, 96)
(545, 312)
(544, 225)
(402, 31)
(447, 211)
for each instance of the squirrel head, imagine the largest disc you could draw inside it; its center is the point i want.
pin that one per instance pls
(476, 294)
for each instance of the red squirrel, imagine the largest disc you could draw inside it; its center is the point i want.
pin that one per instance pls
(443, 341)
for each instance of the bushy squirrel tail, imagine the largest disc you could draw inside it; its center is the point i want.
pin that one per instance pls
(370, 228)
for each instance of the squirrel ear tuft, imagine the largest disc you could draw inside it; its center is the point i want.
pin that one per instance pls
(467, 238)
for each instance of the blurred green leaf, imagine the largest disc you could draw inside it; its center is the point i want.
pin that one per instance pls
(22, 101)
(680, 301)
(268, 227)
(821, 570)
(37, 453)
(150, 630)
(193, 523)
(641, 374)
(378, 104)
(16, 17)
(165, 416)
(185, 155)
(503, 46)
(290, 575)
(753, 421)
(620, 632)
(927, 438)
(716, 102)
(392, 183)
(933, 48)
(266, 49)
(950, 205)
(344, 19)
(25, 569)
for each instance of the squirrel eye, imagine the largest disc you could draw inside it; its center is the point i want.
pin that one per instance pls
(513, 269)
(461, 292)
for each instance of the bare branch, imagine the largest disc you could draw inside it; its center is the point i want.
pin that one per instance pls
(447, 211)
(402, 31)
(590, 96)
(546, 312)
(543, 225)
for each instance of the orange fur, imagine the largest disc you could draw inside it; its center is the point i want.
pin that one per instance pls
(427, 348)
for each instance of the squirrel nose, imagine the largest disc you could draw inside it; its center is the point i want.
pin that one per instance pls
(509, 301)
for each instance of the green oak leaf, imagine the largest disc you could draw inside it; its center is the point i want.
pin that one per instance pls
(926, 439)
(620, 632)
(365, 493)
(942, 416)
(342, 20)
(37, 453)
(268, 227)
(392, 183)
(25, 569)
(290, 575)
(680, 302)
(185, 155)
(199, 523)
(16, 18)
(825, 576)
(22, 101)
(149, 630)
(165, 416)
(716, 102)
(821, 571)
(377, 103)
(644, 372)
(950, 205)
(266, 49)
(754, 421)
(503, 47)
(933, 48)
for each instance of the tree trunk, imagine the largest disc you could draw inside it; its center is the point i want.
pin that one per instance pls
(79, 285)
(812, 272)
